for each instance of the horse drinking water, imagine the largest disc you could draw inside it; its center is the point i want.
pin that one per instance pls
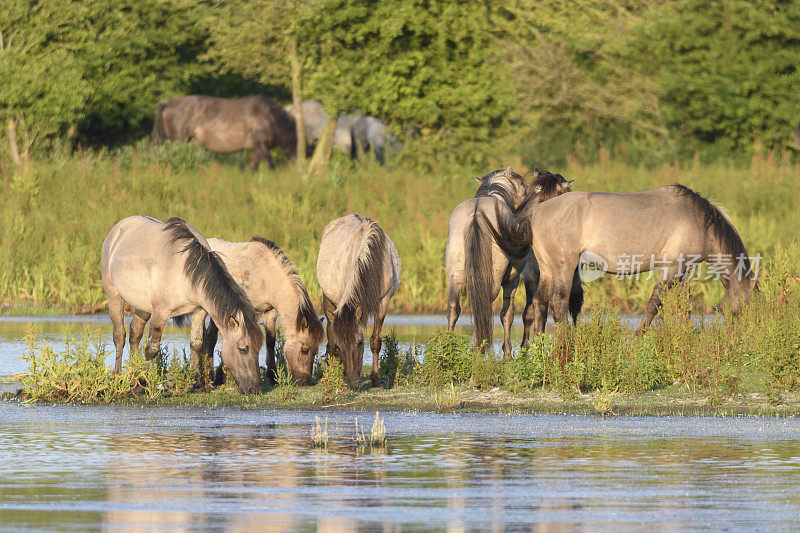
(164, 270)
(275, 289)
(358, 269)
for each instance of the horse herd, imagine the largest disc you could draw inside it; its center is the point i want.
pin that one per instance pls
(258, 124)
(541, 231)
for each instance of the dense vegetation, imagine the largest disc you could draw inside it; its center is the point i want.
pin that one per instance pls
(742, 363)
(648, 81)
(50, 248)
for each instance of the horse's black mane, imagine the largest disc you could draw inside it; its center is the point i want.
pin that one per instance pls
(548, 185)
(718, 223)
(306, 308)
(205, 268)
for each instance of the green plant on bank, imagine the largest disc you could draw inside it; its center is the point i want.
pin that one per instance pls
(332, 380)
(79, 373)
(388, 365)
(448, 357)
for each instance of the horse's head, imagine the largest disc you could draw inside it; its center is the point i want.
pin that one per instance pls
(300, 348)
(241, 342)
(349, 339)
(546, 185)
(506, 184)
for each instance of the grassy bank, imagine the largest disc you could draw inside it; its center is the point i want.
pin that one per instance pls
(747, 364)
(55, 214)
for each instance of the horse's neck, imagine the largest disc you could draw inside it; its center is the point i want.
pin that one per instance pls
(281, 292)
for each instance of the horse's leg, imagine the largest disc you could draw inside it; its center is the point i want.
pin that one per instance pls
(562, 287)
(210, 336)
(329, 309)
(454, 286)
(576, 296)
(530, 277)
(270, 318)
(540, 301)
(157, 322)
(268, 159)
(138, 322)
(115, 305)
(196, 345)
(375, 345)
(255, 158)
(666, 280)
(507, 315)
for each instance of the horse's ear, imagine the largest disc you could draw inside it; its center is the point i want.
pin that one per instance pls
(564, 185)
(478, 179)
(232, 322)
(535, 172)
(358, 312)
(322, 319)
(304, 323)
(508, 169)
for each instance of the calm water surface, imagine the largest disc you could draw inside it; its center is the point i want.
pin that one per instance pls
(75, 467)
(155, 468)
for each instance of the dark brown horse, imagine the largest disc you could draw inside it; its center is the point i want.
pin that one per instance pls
(224, 126)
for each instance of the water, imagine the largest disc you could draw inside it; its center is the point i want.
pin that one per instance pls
(70, 467)
(74, 467)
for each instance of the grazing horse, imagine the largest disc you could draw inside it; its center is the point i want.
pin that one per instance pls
(370, 133)
(275, 289)
(480, 257)
(224, 126)
(314, 118)
(165, 270)
(358, 269)
(669, 229)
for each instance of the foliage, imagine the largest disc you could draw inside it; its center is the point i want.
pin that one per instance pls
(79, 374)
(423, 65)
(332, 381)
(388, 367)
(448, 357)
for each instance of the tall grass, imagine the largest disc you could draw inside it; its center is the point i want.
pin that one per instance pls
(55, 214)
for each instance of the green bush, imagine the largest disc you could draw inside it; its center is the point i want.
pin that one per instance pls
(448, 357)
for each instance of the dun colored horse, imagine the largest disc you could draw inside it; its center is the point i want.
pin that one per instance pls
(481, 255)
(275, 289)
(224, 126)
(358, 269)
(164, 270)
(670, 229)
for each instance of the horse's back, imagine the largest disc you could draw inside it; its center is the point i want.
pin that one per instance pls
(339, 253)
(142, 263)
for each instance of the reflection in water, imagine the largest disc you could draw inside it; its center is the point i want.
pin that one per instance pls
(72, 467)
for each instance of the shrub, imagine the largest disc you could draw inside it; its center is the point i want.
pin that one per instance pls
(448, 357)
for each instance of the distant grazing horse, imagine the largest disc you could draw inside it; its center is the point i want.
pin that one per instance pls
(224, 126)
(354, 133)
(358, 269)
(479, 257)
(668, 229)
(314, 118)
(164, 270)
(275, 289)
(371, 133)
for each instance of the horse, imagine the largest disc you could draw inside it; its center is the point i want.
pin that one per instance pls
(358, 269)
(275, 290)
(354, 133)
(224, 126)
(314, 118)
(480, 255)
(166, 270)
(370, 133)
(671, 229)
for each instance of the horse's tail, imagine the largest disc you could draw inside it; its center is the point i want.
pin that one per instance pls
(159, 135)
(576, 296)
(365, 287)
(478, 252)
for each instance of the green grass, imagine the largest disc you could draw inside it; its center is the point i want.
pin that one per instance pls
(748, 364)
(56, 213)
